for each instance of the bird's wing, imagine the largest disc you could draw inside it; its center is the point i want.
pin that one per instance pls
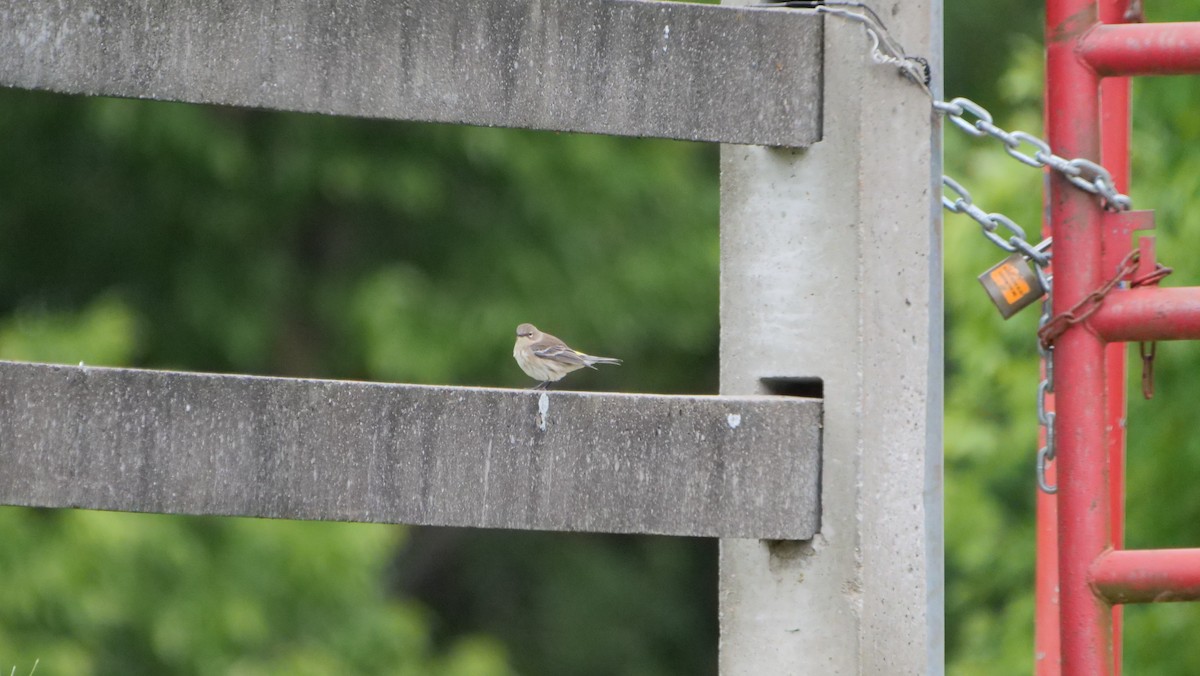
(557, 352)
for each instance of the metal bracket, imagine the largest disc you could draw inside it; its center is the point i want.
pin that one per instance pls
(1119, 226)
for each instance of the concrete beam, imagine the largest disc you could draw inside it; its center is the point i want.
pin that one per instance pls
(626, 67)
(185, 443)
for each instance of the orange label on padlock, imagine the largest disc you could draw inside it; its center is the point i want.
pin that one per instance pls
(1011, 282)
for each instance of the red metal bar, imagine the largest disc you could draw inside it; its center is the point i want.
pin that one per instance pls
(1149, 313)
(1084, 525)
(1047, 644)
(1148, 575)
(1115, 131)
(1143, 48)
(1047, 641)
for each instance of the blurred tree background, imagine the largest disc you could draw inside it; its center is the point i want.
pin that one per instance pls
(214, 239)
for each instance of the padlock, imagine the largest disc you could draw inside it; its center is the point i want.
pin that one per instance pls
(1012, 285)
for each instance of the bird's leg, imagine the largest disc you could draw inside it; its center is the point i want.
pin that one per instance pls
(545, 384)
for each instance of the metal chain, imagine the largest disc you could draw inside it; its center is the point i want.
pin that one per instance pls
(1016, 243)
(1046, 453)
(1049, 328)
(1082, 173)
(886, 50)
(1087, 305)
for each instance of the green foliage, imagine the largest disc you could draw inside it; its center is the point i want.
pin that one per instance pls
(990, 427)
(980, 40)
(103, 332)
(571, 603)
(275, 243)
(104, 593)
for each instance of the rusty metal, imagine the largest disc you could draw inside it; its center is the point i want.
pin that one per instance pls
(1089, 304)
(1147, 350)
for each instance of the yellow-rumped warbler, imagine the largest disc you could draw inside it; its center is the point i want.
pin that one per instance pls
(546, 358)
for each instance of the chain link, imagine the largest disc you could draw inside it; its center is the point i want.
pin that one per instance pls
(1046, 453)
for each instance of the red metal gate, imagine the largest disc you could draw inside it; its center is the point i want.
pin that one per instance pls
(1083, 574)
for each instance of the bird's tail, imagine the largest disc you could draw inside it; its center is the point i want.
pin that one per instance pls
(590, 361)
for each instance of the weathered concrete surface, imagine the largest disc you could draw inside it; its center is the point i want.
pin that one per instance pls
(155, 441)
(625, 67)
(831, 268)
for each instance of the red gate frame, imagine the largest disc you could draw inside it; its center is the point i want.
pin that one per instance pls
(1083, 575)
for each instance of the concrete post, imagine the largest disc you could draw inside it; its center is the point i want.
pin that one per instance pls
(831, 268)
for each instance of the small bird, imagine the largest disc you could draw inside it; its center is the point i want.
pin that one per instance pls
(546, 358)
